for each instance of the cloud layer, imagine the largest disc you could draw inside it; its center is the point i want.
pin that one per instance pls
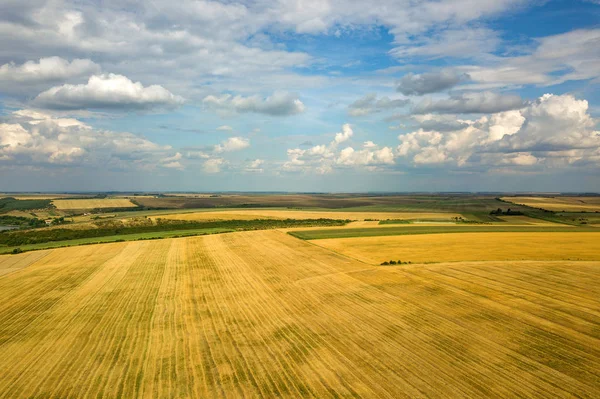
(470, 103)
(32, 138)
(278, 104)
(419, 84)
(371, 104)
(46, 70)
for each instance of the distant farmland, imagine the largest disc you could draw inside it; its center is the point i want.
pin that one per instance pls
(94, 203)
(559, 204)
(233, 214)
(265, 314)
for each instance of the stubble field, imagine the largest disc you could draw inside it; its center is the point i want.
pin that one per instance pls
(459, 247)
(265, 314)
(93, 203)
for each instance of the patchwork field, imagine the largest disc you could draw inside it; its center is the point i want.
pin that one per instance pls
(93, 203)
(306, 214)
(559, 204)
(466, 203)
(350, 230)
(451, 247)
(265, 314)
(526, 220)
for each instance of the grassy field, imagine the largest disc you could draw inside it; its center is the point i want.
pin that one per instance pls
(559, 204)
(93, 203)
(10, 204)
(48, 196)
(526, 220)
(156, 235)
(410, 229)
(264, 314)
(112, 230)
(307, 214)
(468, 247)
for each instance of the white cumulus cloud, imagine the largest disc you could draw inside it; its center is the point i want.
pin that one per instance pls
(554, 130)
(213, 165)
(324, 159)
(107, 91)
(34, 138)
(232, 144)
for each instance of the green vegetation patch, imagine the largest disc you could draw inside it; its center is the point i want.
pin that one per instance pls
(21, 221)
(115, 238)
(395, 221)
(19, 238)
(8, 204)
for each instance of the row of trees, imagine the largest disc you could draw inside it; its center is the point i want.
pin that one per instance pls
(393, 262)
(509, 212)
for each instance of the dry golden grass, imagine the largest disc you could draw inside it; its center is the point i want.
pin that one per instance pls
(293, 214)
(559, 204)
(264, 314)
(455, 247)
(93, 203)
(22, 214)
(526, 220)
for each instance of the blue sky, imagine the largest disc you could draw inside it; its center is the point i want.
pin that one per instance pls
(328, 95)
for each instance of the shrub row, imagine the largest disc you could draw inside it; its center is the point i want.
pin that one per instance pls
(16, 238)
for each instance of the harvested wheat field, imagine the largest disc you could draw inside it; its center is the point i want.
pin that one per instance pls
(458, 247)
(262, 314)
(293, 214)
(93, 203)
(559, 204)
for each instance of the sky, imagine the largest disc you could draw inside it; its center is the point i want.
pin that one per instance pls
(300, 95)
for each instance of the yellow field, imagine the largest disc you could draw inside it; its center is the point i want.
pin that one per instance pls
(264, 314)
(9, 264)
(454, 247)
(247, 214)
(93, 203)
(558, 204)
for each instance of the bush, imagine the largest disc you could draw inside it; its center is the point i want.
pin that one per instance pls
(385, 263)
(392, 262)
(17, 251)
